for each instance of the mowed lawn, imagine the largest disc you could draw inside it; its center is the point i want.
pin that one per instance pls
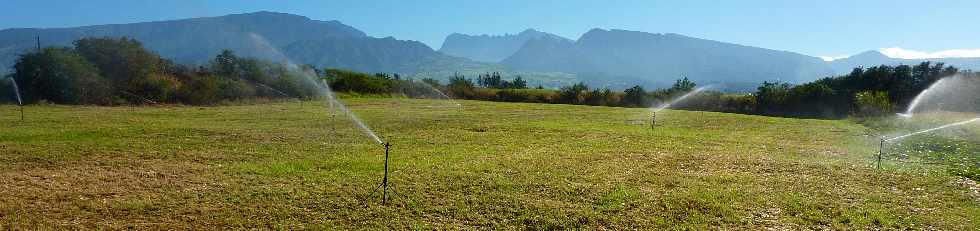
(483, 165)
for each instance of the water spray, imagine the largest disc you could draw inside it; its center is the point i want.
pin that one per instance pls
(283, 94)
(683, 97)
(443, 94)
(334, 103)
(653, 111)
(20, 103)
(881, 146)
(267, 48)
(139, 97)
(922, 95)
(935, 128)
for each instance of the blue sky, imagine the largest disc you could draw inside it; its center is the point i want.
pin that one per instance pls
(818, 28)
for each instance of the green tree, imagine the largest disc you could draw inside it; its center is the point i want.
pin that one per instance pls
(682, 85)
(574, 94)
(635, 96)
(872, 103)
(60, 75)
(226, 64)
(518, 83)
(461, 87)
(129, 66)
(771, 97)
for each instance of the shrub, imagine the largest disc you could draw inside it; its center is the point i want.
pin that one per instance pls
(872, 103)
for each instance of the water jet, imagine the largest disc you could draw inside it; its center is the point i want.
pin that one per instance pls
(881, 145)
(20, 104)
(277, 91)
(653, 111)
(934, 129)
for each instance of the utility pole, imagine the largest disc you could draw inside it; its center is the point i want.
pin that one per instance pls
(38, 40)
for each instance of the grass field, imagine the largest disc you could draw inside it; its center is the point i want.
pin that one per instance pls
(484, 165)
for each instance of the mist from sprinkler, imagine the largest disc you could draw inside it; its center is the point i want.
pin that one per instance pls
(277, 91)
(441, 94)
(681, 98)
(653, 111)
(334, 103)
(922, 95)
(261, 43)
(933, 129)
(20, 102)
(953, 90)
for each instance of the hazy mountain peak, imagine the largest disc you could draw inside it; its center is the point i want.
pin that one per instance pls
(267, 14)
(489, 48)
(877, 57)
(530, 31)
(659, 58)
(870, 54)
(193, 40)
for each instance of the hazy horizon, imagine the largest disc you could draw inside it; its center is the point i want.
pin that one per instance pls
(823, 30)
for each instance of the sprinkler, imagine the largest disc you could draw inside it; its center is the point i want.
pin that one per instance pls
(881, 150)
(385, 186)
(653, 119)
(881, 146)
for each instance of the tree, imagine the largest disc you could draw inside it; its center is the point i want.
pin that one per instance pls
(682, 85)
(574, 94)
(518, 83)
(60, 75)
(226, 64)
(603, 97)
(635, 96)
(130, 68)
(771, 97)
(119, 60)
(460, 87)
(872, 103)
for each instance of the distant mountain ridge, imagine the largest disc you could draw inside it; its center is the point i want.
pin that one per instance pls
(490, 48)
(613, 58)
(266, 35)
(187, 40)
(875, 58)
(368, 54)
(617, 54)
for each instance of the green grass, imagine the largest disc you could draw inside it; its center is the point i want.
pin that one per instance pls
(955, 149)
(485, 165)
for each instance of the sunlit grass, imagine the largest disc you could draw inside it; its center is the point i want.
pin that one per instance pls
(496, 165)
(953, 149)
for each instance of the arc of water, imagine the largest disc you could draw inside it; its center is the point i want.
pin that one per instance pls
(935, 128)
(283, 94)
(265, 46)
(357, 121)
(433, 88)
(679, 99)
(918, 98)
(16, 91)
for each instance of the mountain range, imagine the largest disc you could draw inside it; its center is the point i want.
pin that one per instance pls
(266, 35)
(874, 58)
(491, 48)
(621, 54)
(611, 58)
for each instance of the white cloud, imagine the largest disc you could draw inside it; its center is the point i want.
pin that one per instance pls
(832, 58)
(898, 52)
